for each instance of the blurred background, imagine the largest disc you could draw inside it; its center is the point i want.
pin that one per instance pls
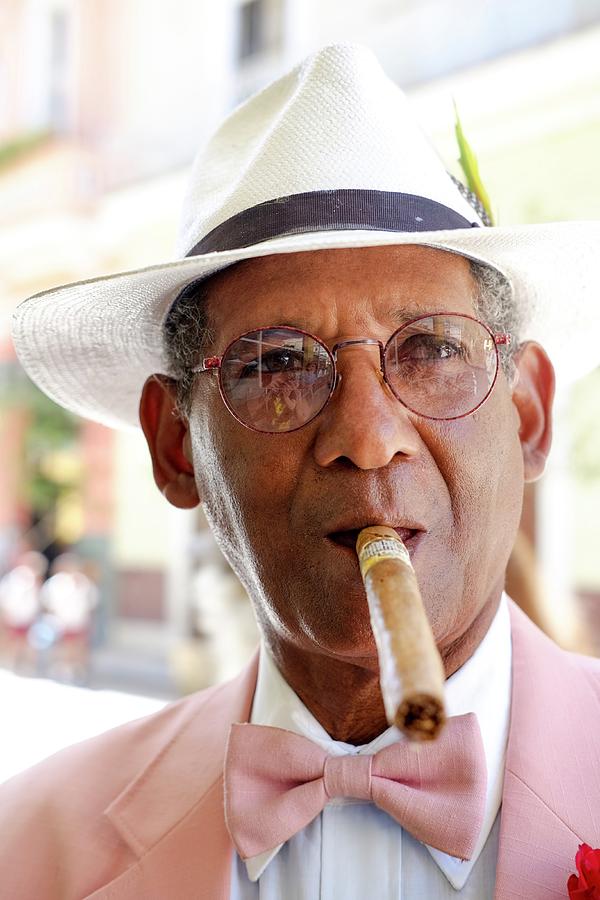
(103, 104)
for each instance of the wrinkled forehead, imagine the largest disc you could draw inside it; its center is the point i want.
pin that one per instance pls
(327, 288)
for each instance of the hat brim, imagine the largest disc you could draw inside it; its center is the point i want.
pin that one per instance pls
(92, 344)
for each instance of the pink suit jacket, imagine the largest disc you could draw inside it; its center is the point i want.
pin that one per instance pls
(137, 813)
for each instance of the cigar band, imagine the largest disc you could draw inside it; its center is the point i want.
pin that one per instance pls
(378, 550)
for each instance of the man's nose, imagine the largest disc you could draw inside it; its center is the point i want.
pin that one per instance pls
(364, 422)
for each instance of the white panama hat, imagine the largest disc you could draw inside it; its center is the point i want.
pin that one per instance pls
(328, 156)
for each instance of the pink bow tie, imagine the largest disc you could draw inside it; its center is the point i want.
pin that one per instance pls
(276, 782)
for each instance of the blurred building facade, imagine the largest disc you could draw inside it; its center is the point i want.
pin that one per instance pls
(102, 107)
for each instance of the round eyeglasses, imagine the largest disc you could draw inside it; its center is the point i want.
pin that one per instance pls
(276, 379)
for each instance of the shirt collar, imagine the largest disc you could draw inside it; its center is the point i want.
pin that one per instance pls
(481, 685)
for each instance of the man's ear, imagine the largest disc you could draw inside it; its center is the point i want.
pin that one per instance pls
(532, 396)
(168, 440)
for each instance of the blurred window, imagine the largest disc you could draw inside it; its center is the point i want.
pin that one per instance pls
(59, 37)
(252, 29)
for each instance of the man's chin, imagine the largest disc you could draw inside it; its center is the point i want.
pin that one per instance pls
(356, 649)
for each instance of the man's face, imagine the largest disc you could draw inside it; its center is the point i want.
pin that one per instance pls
(279, 503)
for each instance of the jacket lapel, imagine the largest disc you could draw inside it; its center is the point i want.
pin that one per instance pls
(172, 814)
(551, 797)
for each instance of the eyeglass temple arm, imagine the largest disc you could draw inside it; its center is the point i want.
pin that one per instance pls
(208, 363)
(505, 339)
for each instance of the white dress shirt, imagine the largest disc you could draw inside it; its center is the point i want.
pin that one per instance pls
(355, 850)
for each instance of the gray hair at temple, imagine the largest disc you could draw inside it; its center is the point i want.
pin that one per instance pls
(188, 332)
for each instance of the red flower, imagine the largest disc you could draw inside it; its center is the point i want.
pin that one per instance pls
(586, 885)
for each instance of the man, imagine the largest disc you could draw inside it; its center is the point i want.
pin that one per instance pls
(344, 344)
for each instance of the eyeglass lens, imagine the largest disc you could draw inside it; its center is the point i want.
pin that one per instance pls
(442, 367)
(278, 379)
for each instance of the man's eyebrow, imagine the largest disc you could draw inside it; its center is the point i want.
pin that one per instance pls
(398, 315)
(298, 324)
(402, 314)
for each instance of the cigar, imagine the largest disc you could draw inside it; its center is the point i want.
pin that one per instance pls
(410, 667)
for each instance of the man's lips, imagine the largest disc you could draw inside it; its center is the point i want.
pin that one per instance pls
(347, 537)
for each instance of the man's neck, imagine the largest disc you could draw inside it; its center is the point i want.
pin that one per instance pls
(344, 695)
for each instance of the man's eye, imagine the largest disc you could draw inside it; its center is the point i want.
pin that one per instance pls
(284, 360)
(429, 348)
